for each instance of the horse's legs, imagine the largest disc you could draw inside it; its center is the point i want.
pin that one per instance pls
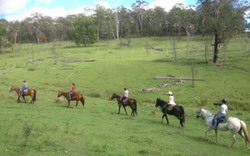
(18, 99)
(24, 98)
(76, 103)
(208, 129)
(133, 111)
(216, 135)
(125, 110)
(82, 101)
(234, 139)
(119, 107)
(166, 116)
(162, 118)
(68, 103)
(181, 123)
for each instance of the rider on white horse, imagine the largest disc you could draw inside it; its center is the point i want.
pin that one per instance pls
(234, 125)
(221, 113)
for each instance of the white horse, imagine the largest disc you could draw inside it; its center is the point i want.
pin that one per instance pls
(233, 124)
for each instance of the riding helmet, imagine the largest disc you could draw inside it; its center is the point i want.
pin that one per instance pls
(224, 100)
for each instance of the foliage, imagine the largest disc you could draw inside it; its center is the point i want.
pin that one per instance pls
(220, 19)
(83, 30)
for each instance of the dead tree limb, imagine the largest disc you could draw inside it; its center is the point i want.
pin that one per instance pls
(78, 61)
(179, 78)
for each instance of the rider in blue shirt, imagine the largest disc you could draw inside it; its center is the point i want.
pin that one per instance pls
(25, 87)
(221, 113)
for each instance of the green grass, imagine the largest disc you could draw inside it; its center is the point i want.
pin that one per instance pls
(50, 128)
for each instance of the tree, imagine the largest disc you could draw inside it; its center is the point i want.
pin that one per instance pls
(174, 20)
(156, 21)
(221, 19)
(83, 30)
(3, 34)
(189, 21)
(13, 30)
(139, 9)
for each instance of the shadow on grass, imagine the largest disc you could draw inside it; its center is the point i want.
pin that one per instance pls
(203, 140)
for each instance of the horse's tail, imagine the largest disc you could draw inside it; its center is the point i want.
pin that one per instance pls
(34, 96)
(135, 107)
(244, 128)
(182, 114)
(83, 100)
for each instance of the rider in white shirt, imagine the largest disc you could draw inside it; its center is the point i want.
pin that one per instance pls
(171, 100)
(125, 96)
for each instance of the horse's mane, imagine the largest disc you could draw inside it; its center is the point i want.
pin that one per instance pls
(162, 101)
(117, 95)
(207, 112)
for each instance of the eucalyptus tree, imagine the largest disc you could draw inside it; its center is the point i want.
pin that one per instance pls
(3, 37)
(62, 28)
(189, 20)
(155, 21)
(126, 22)
(174, 20)
(139, 8)
(47, 29)
(99, 16)
(13, 29)
(221, 19)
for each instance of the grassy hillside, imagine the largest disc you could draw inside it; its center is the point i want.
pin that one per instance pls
(49, 128)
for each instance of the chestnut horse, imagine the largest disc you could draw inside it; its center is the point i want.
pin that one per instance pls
(129, 102)
(29, 92)
(77, 97)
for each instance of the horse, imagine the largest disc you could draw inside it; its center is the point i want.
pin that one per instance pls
(77, 97)
(233, 124)
(29, 92)
(176, 110)
(128, 102)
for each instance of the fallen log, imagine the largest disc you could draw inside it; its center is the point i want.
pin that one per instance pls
(149, 89)
(179, 78)
(78, 61)
(163, 85)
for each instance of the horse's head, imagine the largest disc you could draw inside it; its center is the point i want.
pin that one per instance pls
(199, 113)
(160, 102)
(12, 89)
(203, 113)
(59, 94)
(114, 96)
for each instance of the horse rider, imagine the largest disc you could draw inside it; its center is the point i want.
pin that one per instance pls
(72, 91)
(25, 87)
(170, 100)
(221, 113)
(125, 96)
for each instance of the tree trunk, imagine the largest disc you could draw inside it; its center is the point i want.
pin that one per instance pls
(15, 38)
(97, 33)
(216, 48)
(117, 25)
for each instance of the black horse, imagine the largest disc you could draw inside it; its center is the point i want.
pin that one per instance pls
(176, 110)
(128, 102)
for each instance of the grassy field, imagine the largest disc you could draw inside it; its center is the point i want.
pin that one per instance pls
(50, 128)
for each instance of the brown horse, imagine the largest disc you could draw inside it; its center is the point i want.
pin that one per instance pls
(128, 102)
(29, 92)
(77, 97)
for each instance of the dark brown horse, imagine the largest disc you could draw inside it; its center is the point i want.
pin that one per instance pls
(29, 92)
(176, 110)
(77, 97)
(128, 102)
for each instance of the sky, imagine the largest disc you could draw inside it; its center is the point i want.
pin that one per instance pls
(12, 10)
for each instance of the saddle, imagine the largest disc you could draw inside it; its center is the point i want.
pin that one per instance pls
(223, 119)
